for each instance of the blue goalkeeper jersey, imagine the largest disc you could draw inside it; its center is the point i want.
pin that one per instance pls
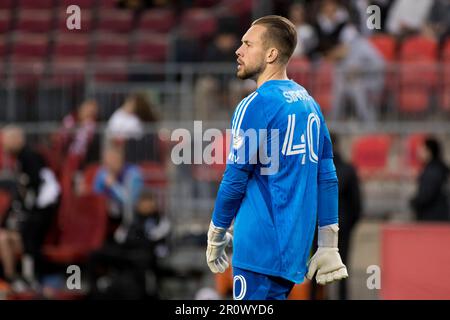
(280, 180)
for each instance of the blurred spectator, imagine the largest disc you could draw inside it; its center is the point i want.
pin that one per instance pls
(305, 33)
(77, 134)
(121, 183)
(144, 146)
(358, 74)
(144, 243)
(404, 19)
(129, 120)
(360, 78)
(36, 195)
(186, 48)
(430, 202)
(333, 31)
(438, 22)
(222, 48)
(349, 206)
(212, 91)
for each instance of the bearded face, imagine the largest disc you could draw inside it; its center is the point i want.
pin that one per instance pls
(251, 54)
(251, 69)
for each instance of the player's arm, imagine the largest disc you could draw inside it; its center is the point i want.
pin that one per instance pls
(240, 165)
(229, 198)
(327, 261)
(230, 195)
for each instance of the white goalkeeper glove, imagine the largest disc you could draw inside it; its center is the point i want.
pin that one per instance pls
(218, 240)
(327, 261)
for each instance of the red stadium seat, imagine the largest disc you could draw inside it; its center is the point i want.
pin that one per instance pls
(370, 154)
(418, 74)
(35, 4)
(115, 20)
(32, 50)
(417, 80)
(299, 71)
(386, 45)
(5, 21)
(111, 47)
(69, 46)
(445, 87)
(69, 58)
(34, 21)
(82, 229)
(114, 51)
(7, 4)
(419, 48)
(5, 202)
(322, 86)
(198, 22)
(156, 20)
(150, 47)
(29, 47)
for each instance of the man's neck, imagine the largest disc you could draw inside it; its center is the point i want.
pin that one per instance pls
(271, 74)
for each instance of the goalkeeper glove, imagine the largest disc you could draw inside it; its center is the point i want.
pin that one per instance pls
(327, 261)
(218, 240)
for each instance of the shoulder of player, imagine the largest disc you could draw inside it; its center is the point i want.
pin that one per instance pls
(251, 108)
(251, 103)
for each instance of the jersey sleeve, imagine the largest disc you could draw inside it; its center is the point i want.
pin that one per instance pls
(327, 207)
(247, 120)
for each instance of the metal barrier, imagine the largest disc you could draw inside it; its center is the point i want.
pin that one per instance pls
(39, 98)
(209, 91)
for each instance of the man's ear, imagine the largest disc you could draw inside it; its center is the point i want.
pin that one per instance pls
(272, 55)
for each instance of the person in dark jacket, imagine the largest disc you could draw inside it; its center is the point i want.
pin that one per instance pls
(35, 192)
(135, 252)
(349, 206)
(430, 203)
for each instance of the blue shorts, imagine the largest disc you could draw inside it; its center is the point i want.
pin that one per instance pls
(249, 285)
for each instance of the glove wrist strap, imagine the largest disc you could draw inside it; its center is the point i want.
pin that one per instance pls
(216, 234)
(328, 236)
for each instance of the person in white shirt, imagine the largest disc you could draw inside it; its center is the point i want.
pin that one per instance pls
(306, 39)
(129, 120)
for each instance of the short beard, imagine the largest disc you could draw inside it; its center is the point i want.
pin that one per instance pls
(251, 74)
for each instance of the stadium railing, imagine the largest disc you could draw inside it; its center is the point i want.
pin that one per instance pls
(36, 92)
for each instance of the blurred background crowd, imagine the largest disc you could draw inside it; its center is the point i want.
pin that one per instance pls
(86, 115)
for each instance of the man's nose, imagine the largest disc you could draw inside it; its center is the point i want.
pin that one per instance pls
(238, 52)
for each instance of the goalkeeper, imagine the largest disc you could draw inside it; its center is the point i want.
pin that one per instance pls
(277, 204)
